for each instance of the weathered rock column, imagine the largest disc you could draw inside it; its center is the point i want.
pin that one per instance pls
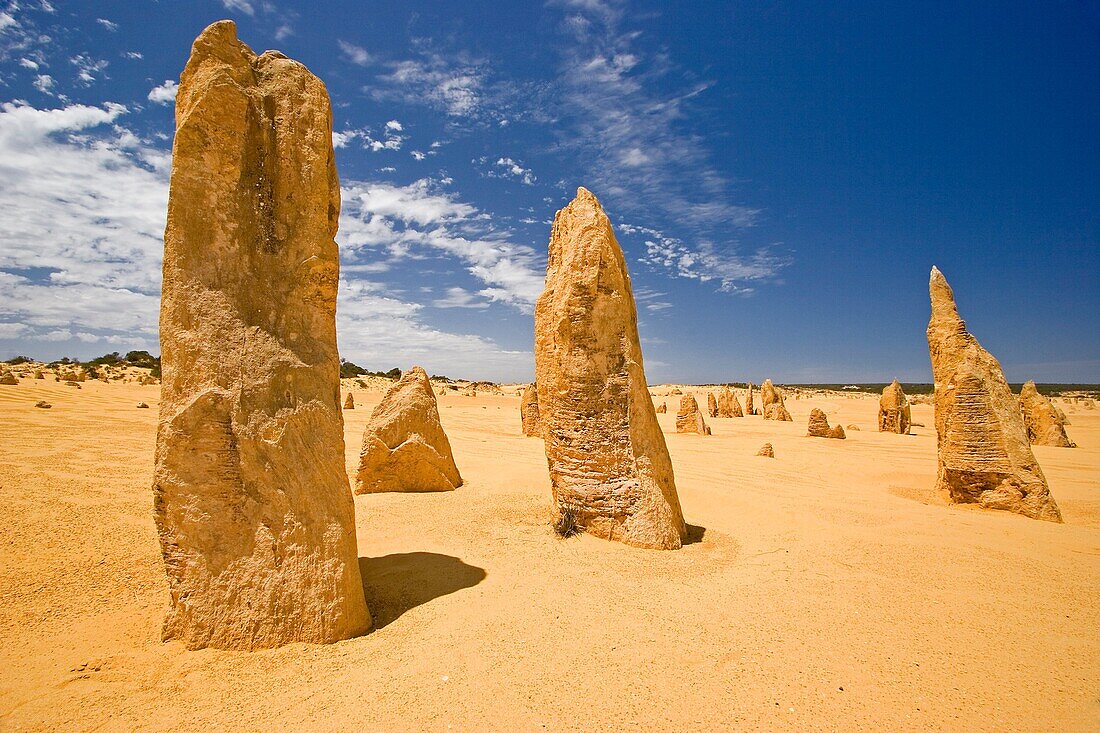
(1044, 423)
(609, 466)
(251, 499)
(984, 456)
(404, 445)
(894, 413)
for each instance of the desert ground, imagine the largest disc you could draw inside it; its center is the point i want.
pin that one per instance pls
(824, 589)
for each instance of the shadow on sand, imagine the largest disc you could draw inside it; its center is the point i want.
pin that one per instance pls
(694, 534)
(392, 584)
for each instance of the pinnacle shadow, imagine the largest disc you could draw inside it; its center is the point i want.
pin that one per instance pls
(694, 534)
(394, 584)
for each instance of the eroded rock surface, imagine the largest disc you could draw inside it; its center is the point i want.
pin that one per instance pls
(689, 418)
(404, 445)
(749, 408)
(728, 406)
(766, 451)
(1044, 423)
(349, 402)
(894, 413)
(712, 405)
(984, 455)
(818, 426)
(609, 467)
(662, 408)
(251, 499)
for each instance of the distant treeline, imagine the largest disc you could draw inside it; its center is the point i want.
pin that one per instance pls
(140, 359)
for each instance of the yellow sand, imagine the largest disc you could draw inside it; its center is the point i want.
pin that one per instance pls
(828, 590)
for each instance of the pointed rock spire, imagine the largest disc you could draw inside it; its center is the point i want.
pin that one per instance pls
(984, 455)
(771, 403)
(610, 472)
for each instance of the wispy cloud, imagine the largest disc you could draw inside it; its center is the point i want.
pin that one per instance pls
(239, 6)
(88, 69)
(397, 222)
(628, 119)
(109, 25)
(453, 85)
(355, 54)
(508, 168)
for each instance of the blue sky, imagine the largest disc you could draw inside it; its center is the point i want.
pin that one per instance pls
(781, 176)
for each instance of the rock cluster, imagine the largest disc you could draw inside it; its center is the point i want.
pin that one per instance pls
(8, 378)
(771, 403)
(984, 455)
(766, 451)
(894, 413)
(610, 472)
(251, 498)
(1045, 424)
(404, 446)
(43, 404)
(689, 419)
(529, 412)
(819, 426)
(728, 406)
(662, 408)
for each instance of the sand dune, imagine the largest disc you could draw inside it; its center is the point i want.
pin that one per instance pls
(826, 589)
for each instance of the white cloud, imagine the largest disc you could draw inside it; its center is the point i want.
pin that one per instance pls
(379, 331)
(395, 126)
(453, 86)
(406, 221)
(511, 169)
(44, 83)
(87, 68)
(81, 247)
(28, 64)
(460, 298)
(417, 155)
(355, 54)
(88, 209)
(107, 24)
(7, 21)
(283, 32)
(239, 6)
(135, 55)
(164, 93)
